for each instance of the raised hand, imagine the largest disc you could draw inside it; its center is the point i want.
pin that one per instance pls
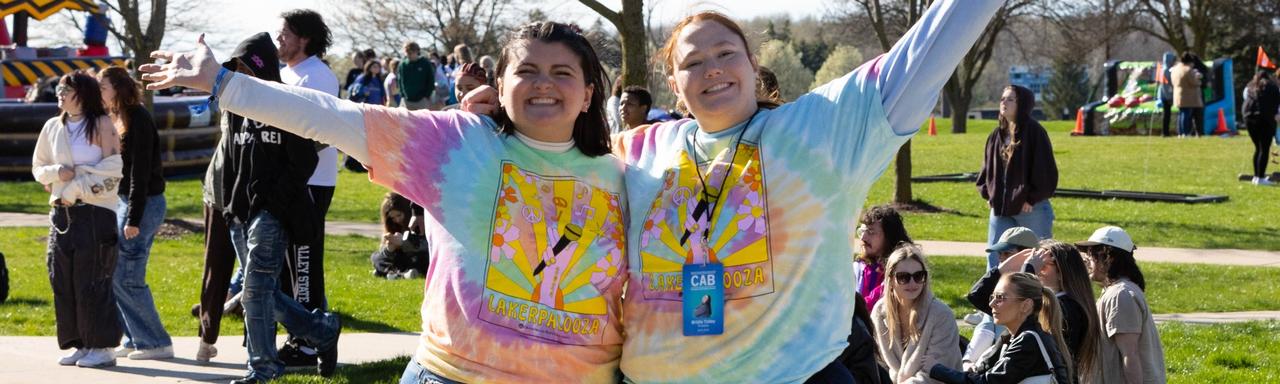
(1014, 263)
(193, 69)
(481, 101)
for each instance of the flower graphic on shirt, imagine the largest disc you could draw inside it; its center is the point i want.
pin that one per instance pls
(607, 267)
(508, 195)
(504, 235)
(652, 230)
(751, 179)
(502, 214)
(753, 211)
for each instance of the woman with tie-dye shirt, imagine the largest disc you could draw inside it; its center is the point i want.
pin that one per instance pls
(768, 197)
(524, 211)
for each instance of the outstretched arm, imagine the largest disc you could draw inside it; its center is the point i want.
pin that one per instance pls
(913, 72)
(307, 113)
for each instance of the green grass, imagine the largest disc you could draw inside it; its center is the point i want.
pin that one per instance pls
(1171, 288)
(1198, 166)
(367, 304)
(355, 198)
(1194, 354)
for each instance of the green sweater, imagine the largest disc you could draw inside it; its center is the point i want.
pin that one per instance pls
(417, 79)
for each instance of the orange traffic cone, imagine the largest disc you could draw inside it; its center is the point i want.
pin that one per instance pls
(1079, 131)
(1222, 124)
(933, 126)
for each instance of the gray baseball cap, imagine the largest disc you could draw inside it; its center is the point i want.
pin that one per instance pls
(1015, 239)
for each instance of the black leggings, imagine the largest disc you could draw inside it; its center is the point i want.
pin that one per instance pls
(1262, 131)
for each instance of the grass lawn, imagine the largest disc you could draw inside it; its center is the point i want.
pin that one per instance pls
(367, 304)
(355, 198)
(1199, 166)
(1194, 354)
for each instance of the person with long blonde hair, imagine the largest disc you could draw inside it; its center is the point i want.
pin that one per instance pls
(1031, 350)
(913, 329)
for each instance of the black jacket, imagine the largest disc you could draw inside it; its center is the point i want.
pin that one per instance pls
(143, 175)
(265, 167)
(1019, 357)
(1030, 176)
(1263, 104)
(1074, 318)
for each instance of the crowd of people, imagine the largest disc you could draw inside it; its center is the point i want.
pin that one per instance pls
(557, 247)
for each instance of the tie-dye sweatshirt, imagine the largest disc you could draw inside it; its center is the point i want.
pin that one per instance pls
(527, 265)
(784, 225)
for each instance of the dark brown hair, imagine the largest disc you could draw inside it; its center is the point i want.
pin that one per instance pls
(1025, 101)
(90, 97)
(895, 232)
(1075, 282)
(590, 130)
(128, 92)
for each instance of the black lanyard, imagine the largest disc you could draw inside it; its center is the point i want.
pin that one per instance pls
(706, 202)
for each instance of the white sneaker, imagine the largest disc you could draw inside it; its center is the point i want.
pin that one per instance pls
(123, 351)
(98, 358)
(205, 352)
(1263, 181)
(152, 354)
(71, 358)
(973, 318)
(412, 274)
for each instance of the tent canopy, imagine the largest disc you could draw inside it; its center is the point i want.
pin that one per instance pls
(41, 9)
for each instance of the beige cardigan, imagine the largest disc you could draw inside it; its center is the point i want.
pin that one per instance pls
(939, 343)
(94, 184)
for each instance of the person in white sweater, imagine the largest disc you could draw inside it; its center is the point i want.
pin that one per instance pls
(77, 159)
(913, 329)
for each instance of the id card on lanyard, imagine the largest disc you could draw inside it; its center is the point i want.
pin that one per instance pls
(703, 299)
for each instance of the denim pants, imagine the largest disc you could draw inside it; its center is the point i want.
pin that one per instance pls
(1039, 220)
(262, 243)
(142, 327)
(1187, 121)
(415, 373)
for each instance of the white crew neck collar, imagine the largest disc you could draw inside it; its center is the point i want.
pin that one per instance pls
(548, 146)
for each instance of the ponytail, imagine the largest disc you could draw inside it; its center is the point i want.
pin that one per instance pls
(1051, 321)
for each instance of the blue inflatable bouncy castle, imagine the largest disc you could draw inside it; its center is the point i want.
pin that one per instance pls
(1136, 93)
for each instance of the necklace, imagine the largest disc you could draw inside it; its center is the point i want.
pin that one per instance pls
(707, 202)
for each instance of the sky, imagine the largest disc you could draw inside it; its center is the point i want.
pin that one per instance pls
(237, 19)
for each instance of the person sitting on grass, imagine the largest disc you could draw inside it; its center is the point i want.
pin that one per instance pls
(1012, 241)
(913, 329)
(1131, 351)
(403, 253)
(880, 232)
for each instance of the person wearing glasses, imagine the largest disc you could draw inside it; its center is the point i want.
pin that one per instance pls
(914, 330)
(77, 160)
(1130, 351)
(1021, 303)
(880, 230)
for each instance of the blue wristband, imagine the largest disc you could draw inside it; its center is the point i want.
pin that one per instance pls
(213, 95)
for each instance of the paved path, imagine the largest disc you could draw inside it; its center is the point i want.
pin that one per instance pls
(34, 359)
(1146, 254)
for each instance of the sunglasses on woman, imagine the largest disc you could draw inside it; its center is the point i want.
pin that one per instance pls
(904, 277)
(62, 89)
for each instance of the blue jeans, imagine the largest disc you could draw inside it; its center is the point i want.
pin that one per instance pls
(415, 373)
(142, 327)
(262, 244)
(1039, 220)
(1187, 120)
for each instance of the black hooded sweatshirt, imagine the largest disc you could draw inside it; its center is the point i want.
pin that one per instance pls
(1031, 174)
(266, 167)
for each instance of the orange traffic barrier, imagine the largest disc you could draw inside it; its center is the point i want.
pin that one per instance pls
(1222, 124)
(933, 126)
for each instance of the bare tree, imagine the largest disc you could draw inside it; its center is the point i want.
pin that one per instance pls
(889, 20)
(630, 23)
(386, 24)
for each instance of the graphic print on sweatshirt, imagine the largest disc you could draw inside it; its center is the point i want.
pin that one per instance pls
(738, 234)
(556, 244)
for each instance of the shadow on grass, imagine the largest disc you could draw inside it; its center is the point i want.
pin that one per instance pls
(357, 325)
(382, 371)
(27, 301)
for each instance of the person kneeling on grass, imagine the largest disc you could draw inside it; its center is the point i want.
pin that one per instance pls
(403, 253)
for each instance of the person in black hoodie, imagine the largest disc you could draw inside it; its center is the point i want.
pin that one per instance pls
(1261, 102)
(265, 179)
(1022, 304)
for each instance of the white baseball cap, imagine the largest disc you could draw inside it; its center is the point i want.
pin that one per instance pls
(1110, 235)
